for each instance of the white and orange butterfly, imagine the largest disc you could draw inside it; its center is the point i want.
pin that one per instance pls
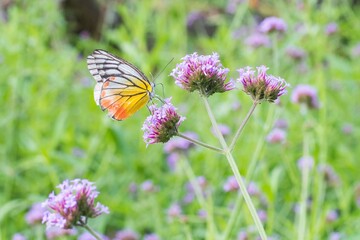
(121, 88)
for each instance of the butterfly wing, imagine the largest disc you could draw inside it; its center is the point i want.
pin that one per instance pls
(121, 88)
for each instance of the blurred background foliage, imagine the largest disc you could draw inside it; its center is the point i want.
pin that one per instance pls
(52, 130)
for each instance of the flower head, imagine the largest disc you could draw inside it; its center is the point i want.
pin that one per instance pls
(35, 214)
(272, 24)
(263, 86)
(306, 162)
(203, 73)
(257, 40)
(180, 144)
(126, 234)
(295, 52)
(277, 135)
(331, 28)
(162, 124)
(305, 94)
(73, 205)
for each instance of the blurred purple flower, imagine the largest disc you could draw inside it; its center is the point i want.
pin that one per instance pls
(231, 184)
(357, 195)
(276, 135)
(306, 162)
(262, 215)
(201, 181)
(295, 53)
(232, 5)
(162, 124)
(55, 232)
(203, 73)
(305, 94)
(126, 234)
(174, 211)
(179, 144)
(257, 40)
(148, 186)
(335, 236)
(224, 129)
(151, 236)
(347, 128)
(253, 189)
(355, 51)
(202, 214)
(331, 28)
(73, 205)
(332, 215)
(172, 160)
(281, 123)
(263, 86)
(35, 214)
(18, 236)
(272, 24)
(242, 235)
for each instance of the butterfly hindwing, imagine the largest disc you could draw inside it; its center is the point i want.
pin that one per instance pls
(121, 89)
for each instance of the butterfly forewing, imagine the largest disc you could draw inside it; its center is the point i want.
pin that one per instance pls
(121, 89)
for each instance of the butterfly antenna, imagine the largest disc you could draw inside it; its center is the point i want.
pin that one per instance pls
(158, 74)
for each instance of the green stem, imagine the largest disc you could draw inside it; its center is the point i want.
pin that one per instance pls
(92, 232)
(200, 143)
(304, 190)
(242, 125)
(236, 172)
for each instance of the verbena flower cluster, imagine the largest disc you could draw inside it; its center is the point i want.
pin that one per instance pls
(203, 73)
(162, 124)
(73, 205)
(263, 86)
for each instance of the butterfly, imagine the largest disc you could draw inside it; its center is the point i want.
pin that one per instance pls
(121, 88)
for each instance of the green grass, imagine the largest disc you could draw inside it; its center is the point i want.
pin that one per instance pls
(51, 129)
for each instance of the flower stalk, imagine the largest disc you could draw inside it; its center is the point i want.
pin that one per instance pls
(236, 171)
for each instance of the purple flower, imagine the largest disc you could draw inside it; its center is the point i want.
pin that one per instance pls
(148, 186)
(203, 73)
(242, 235)
(257, 40)
(231, 184)
(306, 162)
(73, 205)
(162, 124)
(224, 129)
(233, 5)
(18, 236)
(331, 28)
(174, 211)
(35, 214)
(263, 86)
(272, 24)
(253, 189)
(335, 236)
(277, 135)
(126, 234)
(332, 215)
(179, 144)
(347, 128)
(305, 94)
(355, 51)
(262, 215)
(55, 232)
(281, 123)
(295, 53)
(151, 236)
